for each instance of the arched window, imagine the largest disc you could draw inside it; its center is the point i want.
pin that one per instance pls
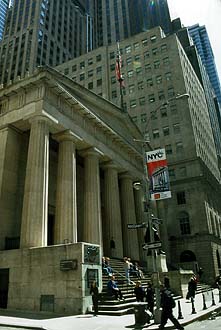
(184, 223)
(187, 256)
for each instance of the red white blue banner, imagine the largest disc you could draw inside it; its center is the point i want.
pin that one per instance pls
(158, 174)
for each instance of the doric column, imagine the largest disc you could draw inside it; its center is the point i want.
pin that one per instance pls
(35, 202)
(130, 240)
(112, 227)
(92, 229)
(140, 217)
(66, 204)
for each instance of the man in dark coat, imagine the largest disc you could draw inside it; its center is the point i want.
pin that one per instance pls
(167, 303)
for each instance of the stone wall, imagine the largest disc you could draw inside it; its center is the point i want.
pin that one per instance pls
(37, 283)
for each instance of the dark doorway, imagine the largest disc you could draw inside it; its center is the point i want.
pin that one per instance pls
(4, 280)
(51, 218)
(187, 256)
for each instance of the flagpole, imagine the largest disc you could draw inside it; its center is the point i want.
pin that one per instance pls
(119, 76)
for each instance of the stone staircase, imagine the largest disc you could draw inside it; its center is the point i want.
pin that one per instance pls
(108, 305)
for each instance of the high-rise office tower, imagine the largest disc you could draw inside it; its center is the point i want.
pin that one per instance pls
(42, 32)
(156, 69)
(201, 40)
(120, 19)
(3, 11)
(158, 15)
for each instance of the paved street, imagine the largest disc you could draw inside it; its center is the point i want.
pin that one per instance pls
(208, 324)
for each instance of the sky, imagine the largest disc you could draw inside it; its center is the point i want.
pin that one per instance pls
(204, 12)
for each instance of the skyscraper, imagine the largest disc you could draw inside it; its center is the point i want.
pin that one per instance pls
(201, 40)
(3, 11)
(158, 15)
(42, 32)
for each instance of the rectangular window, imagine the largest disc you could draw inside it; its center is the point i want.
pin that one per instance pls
(128, 49)
(133, 104)
(137, 58)
(166, 61)
(176, 128)
(99, 69)
(129, 60)
(159, 80)
(153, 38)
(181, 197)
(151, 98)
(90, 61)
(90, 85)
(130, 73)
(98, 58)
(144, 42)
(136, 46)
(99, 82)
(113, 80)
(172, 173)
(134, 119)
(147, 67)
(171, 92)
(163, 112)
(146, 55)
(166, 131)
(156, 133)
(112, 55)
(82, 76)
(142, 100)
(173, 109)
(112, 67)
(179, 147)
(168, 149)
(161, 95)
(154, 51)
(140, 85)
(82, 65)
(163, 48)
(156, 64)
(150, 82)
(139, 70)
(90, 73)
(66, 71)
(168, 76)
(131, 89)
(74, 68)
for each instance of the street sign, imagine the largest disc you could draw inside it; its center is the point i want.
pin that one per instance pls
(153, 245)
(137, 225)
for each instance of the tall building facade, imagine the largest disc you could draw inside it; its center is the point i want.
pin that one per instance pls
(156, 69)
(3, 11)
(201, 40)
(42, 32)
(158, 15)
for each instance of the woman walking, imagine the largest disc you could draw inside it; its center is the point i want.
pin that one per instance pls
(95, 295)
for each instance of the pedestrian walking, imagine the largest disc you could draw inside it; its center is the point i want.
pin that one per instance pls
(192, 286)
(167, 303)
(150, 297)
(95, 297)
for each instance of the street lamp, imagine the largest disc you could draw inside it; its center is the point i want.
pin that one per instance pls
(137, 186)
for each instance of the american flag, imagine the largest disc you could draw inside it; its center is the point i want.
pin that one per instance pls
(118, 65)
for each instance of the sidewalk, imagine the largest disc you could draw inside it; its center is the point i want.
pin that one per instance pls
(89, 322)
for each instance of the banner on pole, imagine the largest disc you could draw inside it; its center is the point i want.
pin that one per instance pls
(158, 174)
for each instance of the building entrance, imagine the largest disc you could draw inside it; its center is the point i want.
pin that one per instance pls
(4, 280)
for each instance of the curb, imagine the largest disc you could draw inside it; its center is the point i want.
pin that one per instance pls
(21, 326)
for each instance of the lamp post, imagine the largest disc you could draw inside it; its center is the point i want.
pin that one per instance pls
(146, 144)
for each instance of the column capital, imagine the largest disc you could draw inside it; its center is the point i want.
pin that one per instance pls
(66, 135)
(42, 118)
(93, 151)
(126, 175)
(110, 165)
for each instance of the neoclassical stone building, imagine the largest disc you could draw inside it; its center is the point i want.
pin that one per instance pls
(68, 161)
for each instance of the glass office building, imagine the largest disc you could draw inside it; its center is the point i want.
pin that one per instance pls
(3, 11)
